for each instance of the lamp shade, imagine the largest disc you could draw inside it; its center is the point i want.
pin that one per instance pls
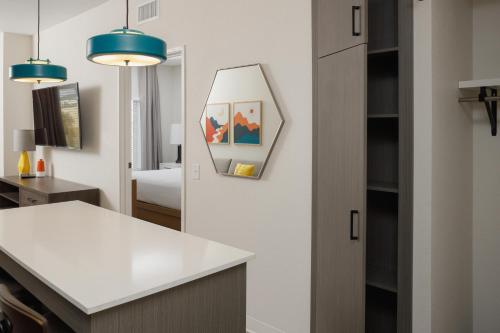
(126, 47)
(176, 134)
(37, 71)
(24, 140)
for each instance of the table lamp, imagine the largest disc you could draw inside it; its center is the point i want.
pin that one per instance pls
(176, 139)
(24, 141)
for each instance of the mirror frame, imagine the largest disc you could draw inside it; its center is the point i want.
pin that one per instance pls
(276, 135)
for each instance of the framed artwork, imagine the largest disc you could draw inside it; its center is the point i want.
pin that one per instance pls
(217, 123)
(247, 123)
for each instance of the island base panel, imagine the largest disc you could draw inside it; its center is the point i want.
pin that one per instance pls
(215, 303)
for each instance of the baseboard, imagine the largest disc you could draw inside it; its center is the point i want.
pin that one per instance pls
(257, 326)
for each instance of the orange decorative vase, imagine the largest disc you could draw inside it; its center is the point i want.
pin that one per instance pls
(40, 168)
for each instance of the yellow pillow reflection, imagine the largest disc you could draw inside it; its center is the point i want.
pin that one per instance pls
(245, 170)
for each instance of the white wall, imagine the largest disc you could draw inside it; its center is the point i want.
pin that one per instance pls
(271, 217)
(170, 84)
(17, 101)
(443, 207)
(451, 168)
(486, 180)
(65, 44)
(422, 183)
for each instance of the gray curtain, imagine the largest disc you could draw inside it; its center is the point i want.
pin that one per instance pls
(151, 152)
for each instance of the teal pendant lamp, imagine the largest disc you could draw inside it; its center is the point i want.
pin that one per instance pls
(37, 70)
(126, 47)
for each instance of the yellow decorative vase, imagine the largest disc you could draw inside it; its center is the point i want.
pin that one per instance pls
(23, 166)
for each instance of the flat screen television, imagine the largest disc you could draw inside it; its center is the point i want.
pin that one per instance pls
(57, 116)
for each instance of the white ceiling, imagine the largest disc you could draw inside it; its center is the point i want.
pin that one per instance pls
(20, 16)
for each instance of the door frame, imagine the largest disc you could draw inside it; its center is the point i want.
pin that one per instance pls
(125, 102)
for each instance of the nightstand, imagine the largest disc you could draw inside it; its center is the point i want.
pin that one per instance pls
(170, 165)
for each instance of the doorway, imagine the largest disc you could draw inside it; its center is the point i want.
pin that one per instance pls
(152, 149)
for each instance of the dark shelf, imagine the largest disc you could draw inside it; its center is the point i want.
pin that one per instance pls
(383, 187)
(381, 278)
(383, 83)
(383, 116)
(388, 50)
(383, 153)
(11, 196)
(381, 311)
(381, 286)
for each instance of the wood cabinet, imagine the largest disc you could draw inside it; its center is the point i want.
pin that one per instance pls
(341, 24)
(30, 198)
(340, 204)
(18, 192)
(362, 169)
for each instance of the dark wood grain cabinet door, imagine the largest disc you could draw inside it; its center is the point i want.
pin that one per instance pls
(340, 193)
(341, 24)
(29, 198)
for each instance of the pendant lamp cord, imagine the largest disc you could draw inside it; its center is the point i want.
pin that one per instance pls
(126, 19)
(38, 33)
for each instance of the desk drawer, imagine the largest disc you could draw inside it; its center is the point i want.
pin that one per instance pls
(28, 198)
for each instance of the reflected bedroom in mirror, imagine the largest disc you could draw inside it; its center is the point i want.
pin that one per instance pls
(241, 121)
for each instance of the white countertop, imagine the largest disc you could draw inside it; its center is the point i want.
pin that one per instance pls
(98, 259)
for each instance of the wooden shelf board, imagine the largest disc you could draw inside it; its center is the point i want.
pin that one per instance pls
(383, 51)
(383, 116)
(476, 84)
(381, 278)
(383, 187)
(11, 196)
(382, 286)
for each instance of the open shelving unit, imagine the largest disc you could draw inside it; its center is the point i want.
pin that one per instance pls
(362, 166)
(9, 196)
(387, 291)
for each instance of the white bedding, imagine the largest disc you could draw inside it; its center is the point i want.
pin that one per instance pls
(159, 187)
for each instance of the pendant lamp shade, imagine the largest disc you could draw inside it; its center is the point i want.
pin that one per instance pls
(37, 70)
(126, 47)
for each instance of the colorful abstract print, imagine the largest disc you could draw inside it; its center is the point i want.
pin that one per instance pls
(247, 123)
(217, 124)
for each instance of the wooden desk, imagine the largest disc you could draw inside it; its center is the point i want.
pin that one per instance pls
(19, 192)
(101, 271)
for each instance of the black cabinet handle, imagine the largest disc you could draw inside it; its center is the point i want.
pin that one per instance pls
(355, 19)
(354, 235)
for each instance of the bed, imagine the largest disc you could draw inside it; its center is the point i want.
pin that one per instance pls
(156, 196)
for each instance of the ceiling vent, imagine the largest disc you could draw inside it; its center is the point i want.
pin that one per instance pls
(148, 11)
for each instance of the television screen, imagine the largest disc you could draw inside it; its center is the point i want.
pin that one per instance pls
(57, 116)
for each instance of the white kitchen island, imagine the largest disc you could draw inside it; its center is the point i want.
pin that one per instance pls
(102, 271)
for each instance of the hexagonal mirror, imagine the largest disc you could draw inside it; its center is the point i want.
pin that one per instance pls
(241, 121)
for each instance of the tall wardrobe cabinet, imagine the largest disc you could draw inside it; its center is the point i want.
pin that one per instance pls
(362, 158)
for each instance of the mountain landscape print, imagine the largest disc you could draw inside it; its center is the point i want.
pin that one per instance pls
(247, 124)
(217, 124)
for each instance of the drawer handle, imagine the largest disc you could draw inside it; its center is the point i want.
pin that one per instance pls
(354, 230)
(32, 200)
(356, 20)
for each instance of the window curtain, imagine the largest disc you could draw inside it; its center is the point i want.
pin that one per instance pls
(150, 119)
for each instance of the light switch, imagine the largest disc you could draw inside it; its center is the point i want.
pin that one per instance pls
(195, 171)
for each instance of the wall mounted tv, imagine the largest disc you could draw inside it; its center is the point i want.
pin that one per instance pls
(57, 116)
